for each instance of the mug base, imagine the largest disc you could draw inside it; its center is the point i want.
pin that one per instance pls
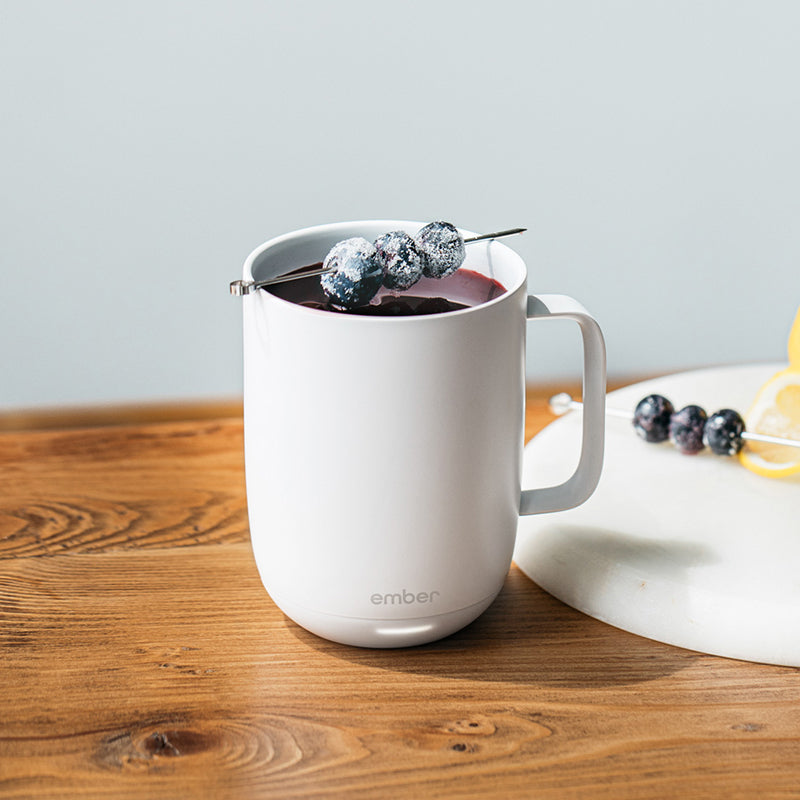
(384, 633)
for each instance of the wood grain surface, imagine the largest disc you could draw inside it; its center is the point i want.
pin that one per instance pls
(140, 657)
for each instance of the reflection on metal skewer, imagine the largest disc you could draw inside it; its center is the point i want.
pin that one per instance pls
(563, 402)
(240, 287)
(495, 235)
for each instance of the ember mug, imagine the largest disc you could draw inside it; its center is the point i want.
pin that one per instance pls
(383, 454)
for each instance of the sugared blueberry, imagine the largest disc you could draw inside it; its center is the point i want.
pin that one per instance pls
(651, 418)
(723, 432)
(686, 429)
(402, 262)
(356, 273)
(442, 249)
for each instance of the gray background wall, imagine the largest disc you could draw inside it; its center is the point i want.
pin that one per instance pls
(145, 148)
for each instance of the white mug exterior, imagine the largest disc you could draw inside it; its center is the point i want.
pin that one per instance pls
(383, 454)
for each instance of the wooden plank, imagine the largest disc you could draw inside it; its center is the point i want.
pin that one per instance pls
(152, 485)
(97, 415)
(139, 672)
(94, 416)
(172, 484)
(140, 656)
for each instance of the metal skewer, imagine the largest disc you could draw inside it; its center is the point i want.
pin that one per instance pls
(496, 235)
(563, 402)
(240, 287)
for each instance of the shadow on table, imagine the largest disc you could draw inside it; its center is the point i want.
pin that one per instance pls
(525, 637)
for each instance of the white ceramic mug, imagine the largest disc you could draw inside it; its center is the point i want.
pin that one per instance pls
(383, 454)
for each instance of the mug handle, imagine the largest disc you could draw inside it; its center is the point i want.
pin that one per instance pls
(583, 482)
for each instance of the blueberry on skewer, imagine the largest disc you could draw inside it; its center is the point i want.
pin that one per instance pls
(723, 432)
(355, 273)
(686, 429)
(651, 418)
(401, 259)
(442, 248)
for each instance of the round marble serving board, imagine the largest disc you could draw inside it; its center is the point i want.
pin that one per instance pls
(694, 551)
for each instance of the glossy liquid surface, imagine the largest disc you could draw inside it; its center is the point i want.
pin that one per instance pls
(463, 289)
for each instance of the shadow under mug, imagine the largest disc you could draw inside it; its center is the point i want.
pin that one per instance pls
(383, 454)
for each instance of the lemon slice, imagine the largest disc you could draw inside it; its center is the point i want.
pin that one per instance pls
(794, 343)
(776, 412)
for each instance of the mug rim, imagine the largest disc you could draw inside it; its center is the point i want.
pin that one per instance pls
(331, 227)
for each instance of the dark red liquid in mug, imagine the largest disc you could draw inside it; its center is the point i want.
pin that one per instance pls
(463, 289)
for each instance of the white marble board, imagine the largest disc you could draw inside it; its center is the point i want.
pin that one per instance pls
(694, 551)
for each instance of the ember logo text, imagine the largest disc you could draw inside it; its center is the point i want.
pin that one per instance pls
(403, 597)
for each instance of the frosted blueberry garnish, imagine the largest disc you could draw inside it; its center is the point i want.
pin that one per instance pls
(686, 429)
(442, 248)
(723, 432)
(651, 418)
(690, 429)
(356, 274)
(402, 261)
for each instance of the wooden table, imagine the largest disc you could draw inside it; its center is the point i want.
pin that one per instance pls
(141, 657)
